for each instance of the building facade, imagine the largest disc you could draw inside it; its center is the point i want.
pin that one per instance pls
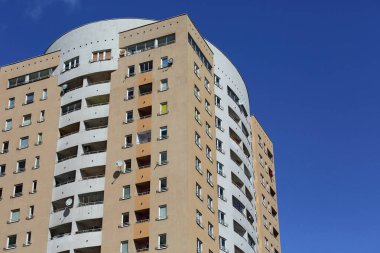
(265, 187)
(127, 135)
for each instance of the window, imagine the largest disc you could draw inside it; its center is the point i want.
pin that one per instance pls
(262, 180)
(127, 166)
(26, 120)
(162, 212)
(2, 170)
(222, 218)
(24, 142)
(198, 140)
(14, 82)
(208, 130)
(197, 92)
(11, 103)
(198, 165)
(42, 116)
(162, 241)
(146, 66)
(164, 108)
(209, 178)
(266, 242)
(210, 203)
(232, 95)
(124, 247)
(131, 71)
(219, 146)
(207, 107)
(199, 246)
(222, 244)
(40, 75)
(263, 200)
(128, 141)
(44, 94)
(30, 213)
(221, 193)
(15, 216)
(208, 153)
(218, 102)
(11, 241)
(8, 125)
(217, 81)
(198, 191)
(17, 190)
(218, 124)
(130, 93)
(104, 55)
(39, 139)
(198, 51)
(163, 158)
(5, 147)
(36, 162)
(219, 168)
(210, 230)
(20, 166)
(28, 238)
(207, 85)
(1, 193)
(34, 186)
(70, 64)
(129, 117)
(198, 218)
(150, 44)
(163, 132)
(265, 222)
(162, 184)
(197, 116)
(197, 70)
(164, 62)
(125, 219)
(126, 192)
(164, 85)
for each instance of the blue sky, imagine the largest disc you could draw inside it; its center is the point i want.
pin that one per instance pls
(313, 71)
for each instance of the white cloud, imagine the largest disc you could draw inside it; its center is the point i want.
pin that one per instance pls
(37, 7)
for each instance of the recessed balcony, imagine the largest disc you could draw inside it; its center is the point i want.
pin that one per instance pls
(64, 178)
(143, 161)
(92, 172)
(67, 154)
(145, 112)
(60, 231)
(142, 244)
(92, 198)
(88, 226)
(69, 130)
(98, 100)
(142, 215)
(61, 204)
(143, 188)
(97, 123)
(94, 147)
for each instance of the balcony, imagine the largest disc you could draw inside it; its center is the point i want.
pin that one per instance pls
(235, 158)
(97, 123)
(142, 215)
(233, 115)
(144, 137)
(67, 154)
(74, 84)
(143, 161)
(99, 78)
(235, 137)
(71, 107)
(143, 188)
(69, 130)
(142, 244)
(65, 178)
(94, 148)
(60, 231)
(237, 182)
(92, 172)
(96, 249)
(98, 100)
(60, 204)
(88, 226)
(145, 89)
(145, 112)
(93, 198)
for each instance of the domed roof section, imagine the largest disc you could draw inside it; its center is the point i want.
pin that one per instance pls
(99, 30)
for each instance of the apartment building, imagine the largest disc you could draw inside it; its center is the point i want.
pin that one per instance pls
(265, 187)
(127, 135)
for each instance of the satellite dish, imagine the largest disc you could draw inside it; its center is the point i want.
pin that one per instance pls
(69, 202)
(119, 163)
(65, 86)
(170, 60)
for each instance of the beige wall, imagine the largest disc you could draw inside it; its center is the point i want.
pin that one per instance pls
(44, 175)
(180, 227)
(260, 188)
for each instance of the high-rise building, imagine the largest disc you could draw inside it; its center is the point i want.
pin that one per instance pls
(127, 135)
(268, 230)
